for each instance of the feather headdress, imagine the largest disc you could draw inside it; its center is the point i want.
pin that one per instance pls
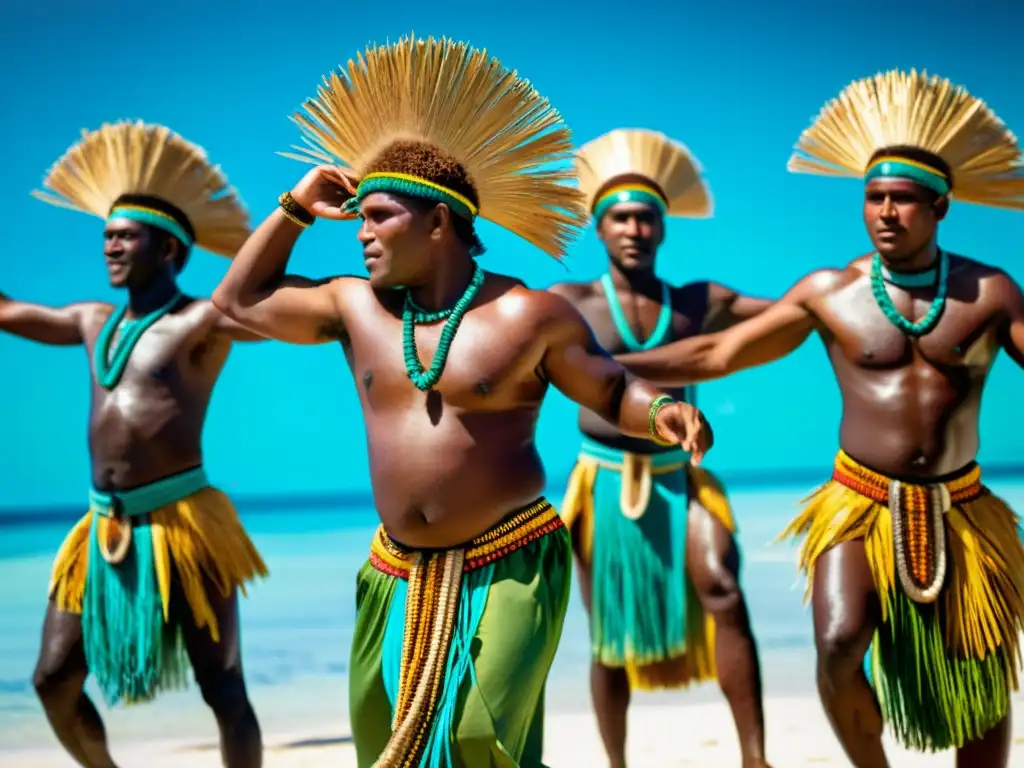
(438, 119)
(642, 166)
(962, 147)
(150, 174)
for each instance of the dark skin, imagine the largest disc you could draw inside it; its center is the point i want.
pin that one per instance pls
(910, 411)
(447, 464)
(146, 428)
(632, 233)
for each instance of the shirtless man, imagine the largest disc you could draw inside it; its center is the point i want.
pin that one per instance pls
(460, 607)
(117, 608)
(632, 179)
(915, 570)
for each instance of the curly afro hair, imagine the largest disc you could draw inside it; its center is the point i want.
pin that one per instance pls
(428, 162)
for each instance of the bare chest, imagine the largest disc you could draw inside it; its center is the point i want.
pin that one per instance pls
(486, 364)
(642, 318)
(965, 336)
(169, 363)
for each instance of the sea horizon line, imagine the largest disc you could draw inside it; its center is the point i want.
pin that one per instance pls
(257, 503)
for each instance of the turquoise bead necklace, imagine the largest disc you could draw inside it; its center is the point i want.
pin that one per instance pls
(661, 330)
(931, 319)
(109, 370)
(412, 314)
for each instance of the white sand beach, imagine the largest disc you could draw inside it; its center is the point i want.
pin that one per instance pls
(660, 736)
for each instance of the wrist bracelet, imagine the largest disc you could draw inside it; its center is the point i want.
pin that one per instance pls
(652, 416)
(293, 211)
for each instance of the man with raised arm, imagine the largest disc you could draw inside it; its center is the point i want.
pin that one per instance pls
(460, 606)
(915, 569)
(148, 579)
(653, 535)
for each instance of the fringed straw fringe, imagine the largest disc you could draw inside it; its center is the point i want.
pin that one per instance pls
(201, 535)
(694, 661)
(944, 670)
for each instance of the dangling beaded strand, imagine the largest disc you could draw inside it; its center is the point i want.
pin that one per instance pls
(926, 323)
(412, 314)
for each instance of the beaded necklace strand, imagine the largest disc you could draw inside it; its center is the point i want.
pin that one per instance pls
(109, 370)
(885, 303)
(412, 314)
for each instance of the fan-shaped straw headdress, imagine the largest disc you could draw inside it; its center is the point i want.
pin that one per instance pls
(635, 165)
(150, 174)
(916, 127)
(440, 120)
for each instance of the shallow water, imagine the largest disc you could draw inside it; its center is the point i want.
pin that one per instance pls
(297, 625)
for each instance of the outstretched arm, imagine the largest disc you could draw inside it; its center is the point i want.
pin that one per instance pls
(770, 335)
(584, 372)
(60, 326)
(727, 307)
(1012, 331)
(256, 292)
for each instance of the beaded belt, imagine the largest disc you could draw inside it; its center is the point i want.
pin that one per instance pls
(918, 525)
(514, 532)
(431, 602)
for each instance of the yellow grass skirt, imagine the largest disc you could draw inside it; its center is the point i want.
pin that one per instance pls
(651, 658)
(200, 535)
(944, 670)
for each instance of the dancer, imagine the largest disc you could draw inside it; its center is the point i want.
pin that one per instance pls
(654, 536)
(147, 581)
(906, 551)
(460, 606)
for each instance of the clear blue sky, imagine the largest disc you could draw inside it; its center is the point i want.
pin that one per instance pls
(736, 82)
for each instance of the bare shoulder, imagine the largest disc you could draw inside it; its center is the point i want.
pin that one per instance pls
(964, 267)
(91, 313)
(574, 292)
(699, 293)
(828, 280)
(543, 314)
(990, 284)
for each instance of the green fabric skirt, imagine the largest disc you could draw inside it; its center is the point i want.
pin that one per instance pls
(507, 625)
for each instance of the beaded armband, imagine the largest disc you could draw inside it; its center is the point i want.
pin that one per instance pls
(293, 211)
(652, 416)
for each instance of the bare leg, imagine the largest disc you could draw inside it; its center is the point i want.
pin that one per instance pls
(218, 671)
(846, 613)
(712, 563)
(609, 686)
(992, 750)
(59, 679)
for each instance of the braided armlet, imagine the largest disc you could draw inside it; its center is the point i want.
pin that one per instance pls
(652, 417)
(294, 212)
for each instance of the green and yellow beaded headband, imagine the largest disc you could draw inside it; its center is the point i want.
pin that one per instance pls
(894, 167)
(632, 192)
(411, 186)
(152, 217)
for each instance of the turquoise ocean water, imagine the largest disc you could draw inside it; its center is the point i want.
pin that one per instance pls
(297, 625)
